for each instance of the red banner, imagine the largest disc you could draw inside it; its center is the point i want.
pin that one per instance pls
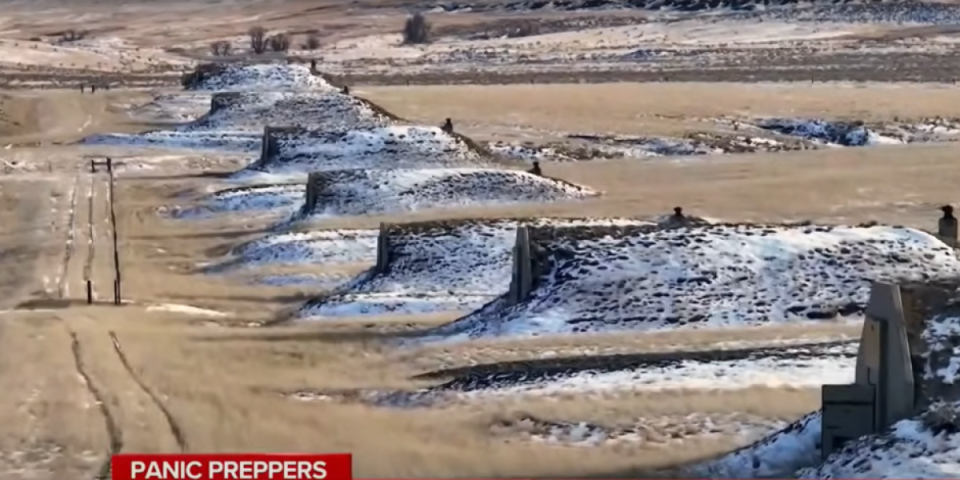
(232, 466)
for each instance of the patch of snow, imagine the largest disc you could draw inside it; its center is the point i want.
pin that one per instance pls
(796, 367)
(263, 77)
(910, 449)
(185, 309)
(835, 133)
(254, 198)
(778, 455)
(662, 430)
(312, 280)
(319, 247)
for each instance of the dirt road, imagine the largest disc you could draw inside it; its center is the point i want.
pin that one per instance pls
(71, 396)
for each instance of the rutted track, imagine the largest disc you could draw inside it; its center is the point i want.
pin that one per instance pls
(113, 430)
(91, 238)
(62, 287)
(175, 429)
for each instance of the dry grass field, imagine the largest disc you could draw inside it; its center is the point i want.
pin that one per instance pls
(653, 108)
(171, 382)
(82, 382)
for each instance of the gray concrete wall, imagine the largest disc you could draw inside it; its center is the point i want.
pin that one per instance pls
(222, 100)
(521, 281)
(884, 368)
(316, 183)
(271, 137)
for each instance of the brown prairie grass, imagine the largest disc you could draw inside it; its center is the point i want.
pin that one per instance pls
(223, 386)
(537, 112)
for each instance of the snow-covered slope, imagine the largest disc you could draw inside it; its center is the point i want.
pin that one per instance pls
(263, 77)
(236, 120)
(797, 366)
(778, 455)
(365, 191)
(251, 111)
(320, 247)
(861, 134)
(248, 198)
(437, 266)
(924, 447)
(176, 139)
(373, 148)
(649, 278)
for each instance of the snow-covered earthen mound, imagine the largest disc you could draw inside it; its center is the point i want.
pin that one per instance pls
(236, 120)
(248, 198)
(373, 148)
(365, 191)
(848, 134)
(436, 266)
(649, 278)
(182, 139)
(252, 111)
(262, 77)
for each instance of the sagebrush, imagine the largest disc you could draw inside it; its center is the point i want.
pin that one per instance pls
(258, 39)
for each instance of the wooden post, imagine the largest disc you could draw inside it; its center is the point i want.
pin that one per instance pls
(116, 243)
(89, 292)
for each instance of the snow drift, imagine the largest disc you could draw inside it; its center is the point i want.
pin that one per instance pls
(365, 191)
(434, 266)
(601, 279)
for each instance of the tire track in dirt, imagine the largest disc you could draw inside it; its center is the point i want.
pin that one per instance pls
(91, 242)
(113, 430)
(62, 290)
(175, 429)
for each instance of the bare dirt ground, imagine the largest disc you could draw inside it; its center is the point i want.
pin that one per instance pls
(85, 381)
